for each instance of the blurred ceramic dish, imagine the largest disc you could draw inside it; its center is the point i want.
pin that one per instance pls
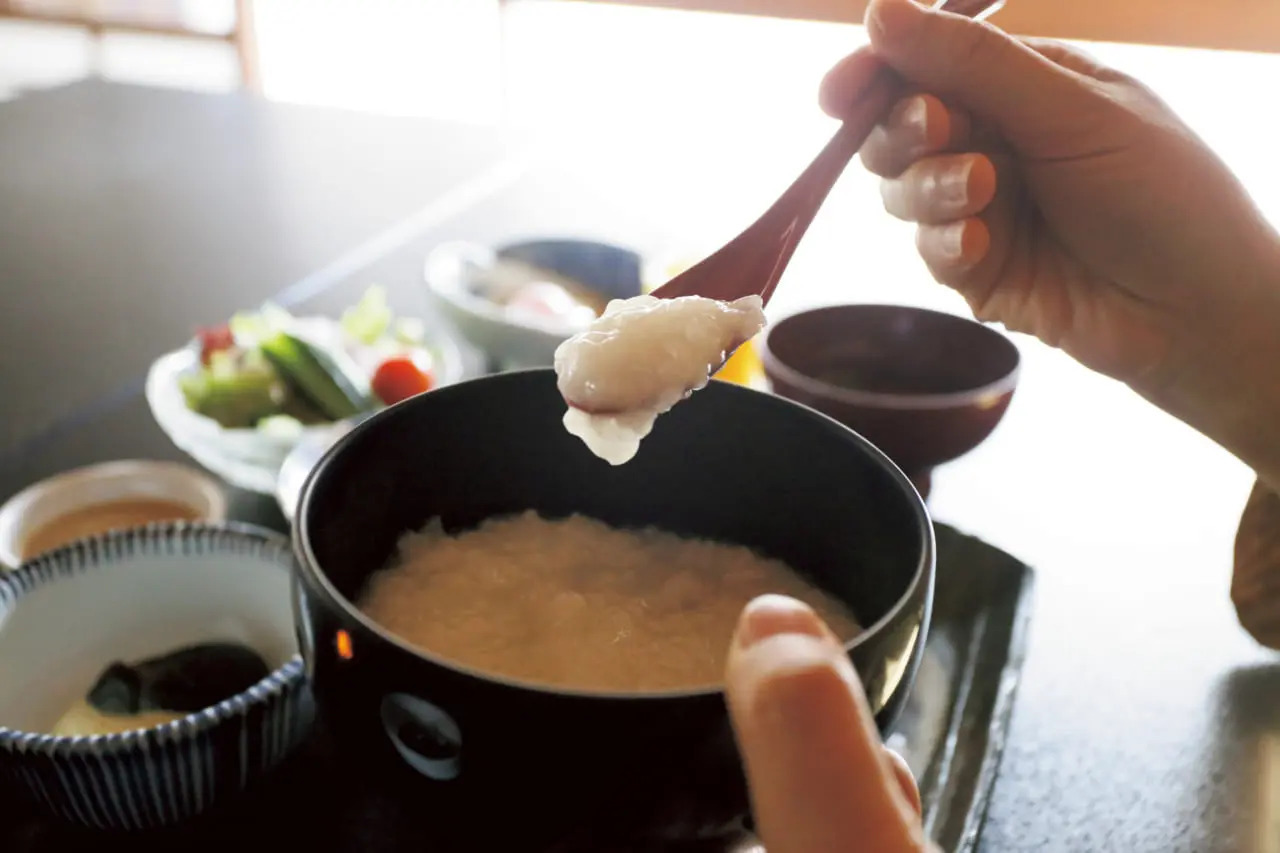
(128, 595)
(250, 458)
(303, 459)
(52, 498)
(518, 302)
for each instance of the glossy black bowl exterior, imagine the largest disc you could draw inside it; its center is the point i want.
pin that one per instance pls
(729, 463)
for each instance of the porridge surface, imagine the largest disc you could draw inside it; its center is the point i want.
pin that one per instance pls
(577, 603)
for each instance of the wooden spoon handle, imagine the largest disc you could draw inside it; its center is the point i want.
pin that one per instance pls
(793, 212)
(977, 9)
(770, 241)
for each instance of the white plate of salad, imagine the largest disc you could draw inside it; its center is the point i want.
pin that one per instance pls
(239, 397)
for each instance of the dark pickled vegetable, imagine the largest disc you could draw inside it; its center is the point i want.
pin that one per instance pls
(187, 680)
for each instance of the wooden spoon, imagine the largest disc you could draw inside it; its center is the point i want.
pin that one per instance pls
(753, 261)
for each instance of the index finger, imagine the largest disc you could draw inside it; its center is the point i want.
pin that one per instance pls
(846, 80)
(917, 126)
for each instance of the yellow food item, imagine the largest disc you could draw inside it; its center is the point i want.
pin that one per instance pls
(743, 367)
(83, 719)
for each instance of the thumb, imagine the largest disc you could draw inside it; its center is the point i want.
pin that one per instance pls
(975, 65)
(820, 780)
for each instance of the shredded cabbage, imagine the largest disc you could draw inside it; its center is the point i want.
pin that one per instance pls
(370, 318)
(250, 328)
(284, 428)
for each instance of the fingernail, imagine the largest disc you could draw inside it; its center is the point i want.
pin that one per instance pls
(952, 185)
(772, 615)
(910, 121)
(951, 242)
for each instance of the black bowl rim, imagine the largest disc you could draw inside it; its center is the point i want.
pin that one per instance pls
(887, 400)
(158, 538)
(308, 565)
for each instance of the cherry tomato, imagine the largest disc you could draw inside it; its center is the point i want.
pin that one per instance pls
(399, 379)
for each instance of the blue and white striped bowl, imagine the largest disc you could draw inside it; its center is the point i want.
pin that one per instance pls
(129, 595)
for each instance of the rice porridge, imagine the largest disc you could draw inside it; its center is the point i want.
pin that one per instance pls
(577, 603)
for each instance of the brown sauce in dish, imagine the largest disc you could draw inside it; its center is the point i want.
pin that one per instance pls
(99, 518)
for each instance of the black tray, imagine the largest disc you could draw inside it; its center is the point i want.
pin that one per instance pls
(951, 732)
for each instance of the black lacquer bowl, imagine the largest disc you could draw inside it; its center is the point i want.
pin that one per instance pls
(729, 463)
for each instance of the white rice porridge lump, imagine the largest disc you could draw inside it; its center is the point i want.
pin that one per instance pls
(640, 358)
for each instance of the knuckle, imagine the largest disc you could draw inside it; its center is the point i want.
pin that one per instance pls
(984, 306)
(936, 266)
(973, 44)
(873, 159)
(885, 159)
(895, 193)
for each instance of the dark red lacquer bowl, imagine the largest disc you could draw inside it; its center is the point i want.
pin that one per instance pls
(924, 386)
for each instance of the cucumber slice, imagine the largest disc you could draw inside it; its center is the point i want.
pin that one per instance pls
(327, 380)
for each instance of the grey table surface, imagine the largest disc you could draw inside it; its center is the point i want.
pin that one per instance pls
(1145, 721)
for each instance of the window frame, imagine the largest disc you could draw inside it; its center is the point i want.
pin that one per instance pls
(1245, 25)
